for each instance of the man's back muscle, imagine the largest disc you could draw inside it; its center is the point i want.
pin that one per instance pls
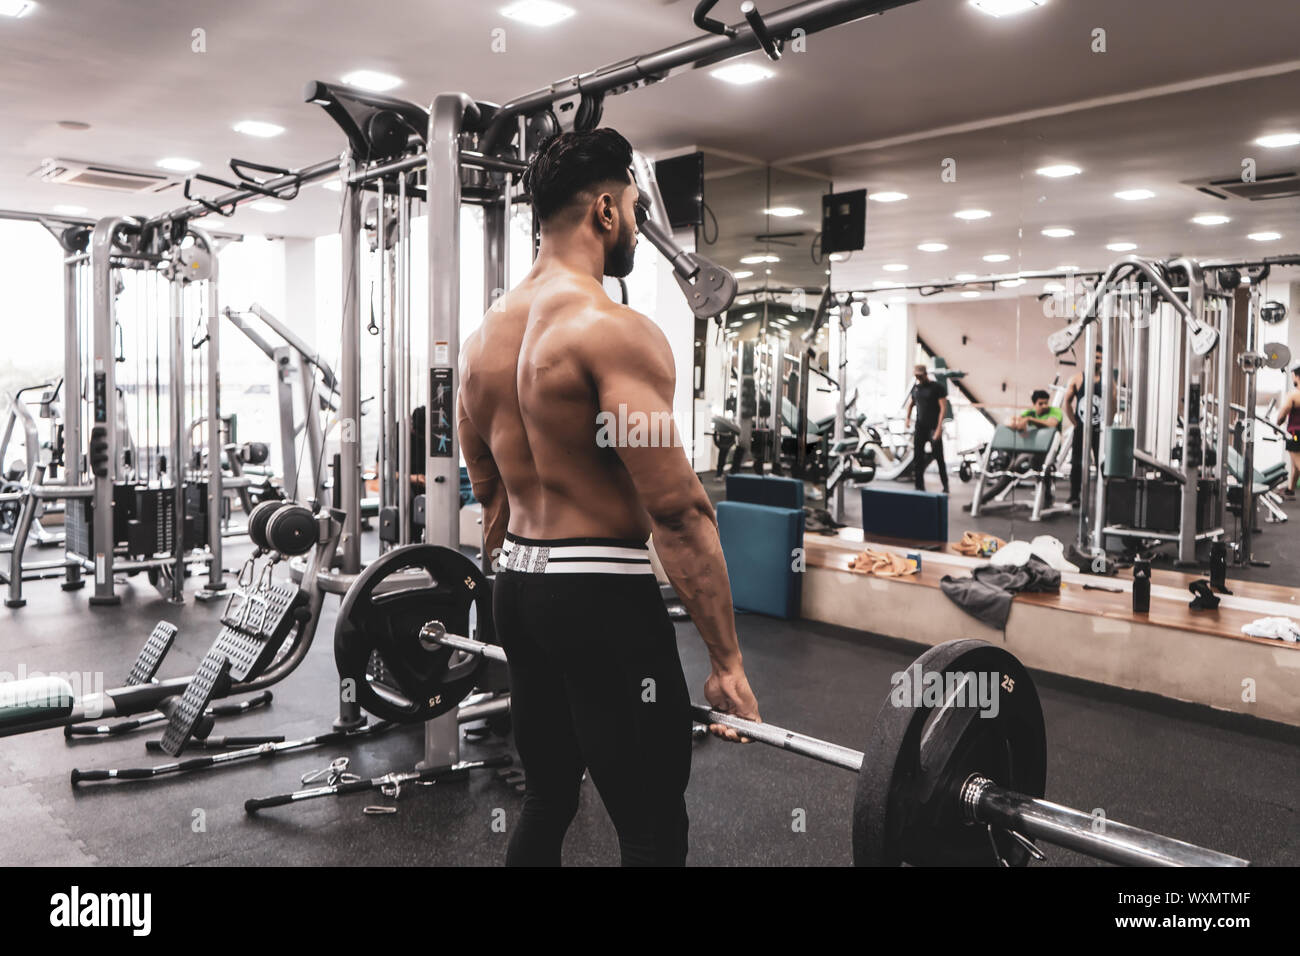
(528, 390)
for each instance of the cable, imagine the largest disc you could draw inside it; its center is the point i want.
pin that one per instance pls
(704, 232)
(139, 360)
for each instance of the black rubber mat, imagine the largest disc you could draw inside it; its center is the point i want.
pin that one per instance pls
(1227, 788)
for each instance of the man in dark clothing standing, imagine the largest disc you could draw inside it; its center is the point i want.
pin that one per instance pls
(929, 399)
(1075, 412)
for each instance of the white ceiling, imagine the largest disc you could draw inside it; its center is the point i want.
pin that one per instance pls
(127, 68)
(1158, 144)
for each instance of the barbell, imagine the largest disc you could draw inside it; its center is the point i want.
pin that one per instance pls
(953, 773)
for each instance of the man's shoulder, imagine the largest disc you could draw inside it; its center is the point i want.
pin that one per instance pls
(581, 307)
(612, 328)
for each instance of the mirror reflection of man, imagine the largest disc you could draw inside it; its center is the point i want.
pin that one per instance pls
(929, 399)
(1071, 405)
(1042, 414)
(1288, 417)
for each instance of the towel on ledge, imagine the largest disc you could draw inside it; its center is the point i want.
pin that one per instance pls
(987, 593)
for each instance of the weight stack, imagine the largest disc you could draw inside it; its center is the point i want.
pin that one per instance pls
(124, 511)
(196, 515)
(1207, 503)
(78, 527)
(154, 524)
(1124, 501)
(1164, 505)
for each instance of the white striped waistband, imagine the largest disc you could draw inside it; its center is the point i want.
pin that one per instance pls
(573, 559)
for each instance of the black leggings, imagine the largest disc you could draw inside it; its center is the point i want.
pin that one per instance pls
(1076, 457)
(596, 683)
(925, 435)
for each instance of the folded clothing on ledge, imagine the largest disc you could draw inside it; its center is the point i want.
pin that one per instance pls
(987, 593)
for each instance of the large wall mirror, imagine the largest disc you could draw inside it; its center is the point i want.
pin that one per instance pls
(981, 245)
(763, 224)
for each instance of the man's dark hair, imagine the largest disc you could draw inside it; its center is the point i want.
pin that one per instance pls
(1038, 395)
(573, 162)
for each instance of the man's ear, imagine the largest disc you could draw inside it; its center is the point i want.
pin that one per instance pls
(605, 210)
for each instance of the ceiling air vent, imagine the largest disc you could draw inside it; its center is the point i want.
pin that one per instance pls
(1275, 186)
(75, 172)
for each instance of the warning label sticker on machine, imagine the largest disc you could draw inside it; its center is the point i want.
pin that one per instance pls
(440, 412)
(441, 353)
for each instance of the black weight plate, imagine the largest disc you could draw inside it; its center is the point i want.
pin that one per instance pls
(539, 129)
(257, 519)
(1008, 747)
(291, 530)
(920, 752)
(376, 640)
(256, 453)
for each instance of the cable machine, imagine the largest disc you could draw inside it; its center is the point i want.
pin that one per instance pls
(141, 368)
(1166, 331)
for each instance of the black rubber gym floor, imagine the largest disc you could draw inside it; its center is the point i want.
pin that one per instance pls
(1232, 789)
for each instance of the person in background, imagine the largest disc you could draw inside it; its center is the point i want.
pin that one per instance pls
(929, 399)
(1289, 418)
(1043, 414)
(1073, 399)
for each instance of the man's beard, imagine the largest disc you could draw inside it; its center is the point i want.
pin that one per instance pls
(620, 259)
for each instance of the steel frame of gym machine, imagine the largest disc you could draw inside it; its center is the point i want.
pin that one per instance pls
(89, 284)
(21, 419)
(314, 399)
(1142, 315)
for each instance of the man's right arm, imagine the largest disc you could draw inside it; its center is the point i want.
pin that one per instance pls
(632, 368)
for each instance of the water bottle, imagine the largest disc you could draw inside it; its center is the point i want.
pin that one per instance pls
(1141, 586)
(1219, 567)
